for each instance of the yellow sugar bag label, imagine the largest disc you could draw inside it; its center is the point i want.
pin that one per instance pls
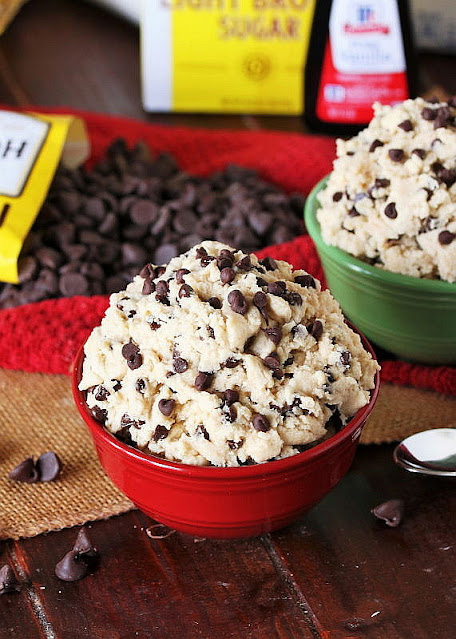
(31, 147)
(235, 56)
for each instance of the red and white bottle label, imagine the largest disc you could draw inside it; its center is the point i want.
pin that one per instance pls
(364, 61)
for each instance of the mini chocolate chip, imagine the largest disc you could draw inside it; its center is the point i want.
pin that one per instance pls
(231, 395)
(135, 361)
(277, 288)
(429, 114)
(274, 334)
(161, 432)
(147, 271)
(8, 581)
(71, 568)
(200, 430)
(84, 547)
(140, 385)
(210, 332)
(353, 212)
(162, 287)
(306, 281)
(180, 365)
(148, 287)
(272, 362)
(269, 263)
(289, 361)
(345, 357)
(396, 155)
(159, 270)
(180, 275)
(166, 406)
(260, 300)
(406, 125)
(381, 183)
(421, 153)
(215, 302)
(245, 264)
(261, 282)
(231, 414)
(237, 302)
(200, 251)
(443, 117)
(337, 196)
(48, 466)
(227, 254)
(293, 298)
(203, 381)
(231, 362)
(185, 291)
(391, 512)
(375, 144)
(129, 350)
(227, 275)
(446, 237)
(100, 414)
(25, 472)
(117, 386)
(224, 262)
(154, 326)
(315, 329)
(100, 393)
(206, 259)
(390, 210)
(261, 423)
(233, 445)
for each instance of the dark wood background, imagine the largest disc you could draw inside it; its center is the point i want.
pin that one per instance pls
(337, 572)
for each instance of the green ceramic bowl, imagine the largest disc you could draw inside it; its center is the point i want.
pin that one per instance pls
(411, 317)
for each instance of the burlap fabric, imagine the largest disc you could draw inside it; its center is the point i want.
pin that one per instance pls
(37, 414)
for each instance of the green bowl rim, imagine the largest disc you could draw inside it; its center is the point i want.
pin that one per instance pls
(342, 257)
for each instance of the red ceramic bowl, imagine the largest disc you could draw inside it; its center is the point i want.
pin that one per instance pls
(225, 502)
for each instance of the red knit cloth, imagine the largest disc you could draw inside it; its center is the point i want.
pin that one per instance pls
(44, 337)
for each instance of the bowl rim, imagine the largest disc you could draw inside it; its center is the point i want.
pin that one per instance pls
(218, 472)
(374, 272)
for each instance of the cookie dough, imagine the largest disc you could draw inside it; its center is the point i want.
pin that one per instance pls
(221, 359)
(391, 198)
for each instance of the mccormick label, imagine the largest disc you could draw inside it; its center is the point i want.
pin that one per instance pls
(364, 61)
(224, 55)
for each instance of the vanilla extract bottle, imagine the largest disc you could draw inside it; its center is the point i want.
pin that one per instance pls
(360, 52)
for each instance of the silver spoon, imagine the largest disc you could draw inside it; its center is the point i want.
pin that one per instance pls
(431, 452)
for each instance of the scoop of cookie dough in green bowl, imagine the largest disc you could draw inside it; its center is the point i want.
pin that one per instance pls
(413, 318)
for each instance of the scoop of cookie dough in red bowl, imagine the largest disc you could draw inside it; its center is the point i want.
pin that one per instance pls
(225, 395)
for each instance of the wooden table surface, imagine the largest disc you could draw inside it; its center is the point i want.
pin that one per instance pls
(337, 572)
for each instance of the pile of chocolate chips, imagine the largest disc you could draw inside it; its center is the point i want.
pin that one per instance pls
(98, 227)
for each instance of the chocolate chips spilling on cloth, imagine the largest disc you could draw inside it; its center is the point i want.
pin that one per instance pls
(391, 512)
(79, 561)
(98, 227)
(46, 468)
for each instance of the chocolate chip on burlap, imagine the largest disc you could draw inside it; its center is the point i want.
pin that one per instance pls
(48, 466)
(25, 472)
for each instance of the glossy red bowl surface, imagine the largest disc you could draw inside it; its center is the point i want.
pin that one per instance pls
(225, 503)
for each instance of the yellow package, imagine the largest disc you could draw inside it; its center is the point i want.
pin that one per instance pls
(236, 56)
(31, 147)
